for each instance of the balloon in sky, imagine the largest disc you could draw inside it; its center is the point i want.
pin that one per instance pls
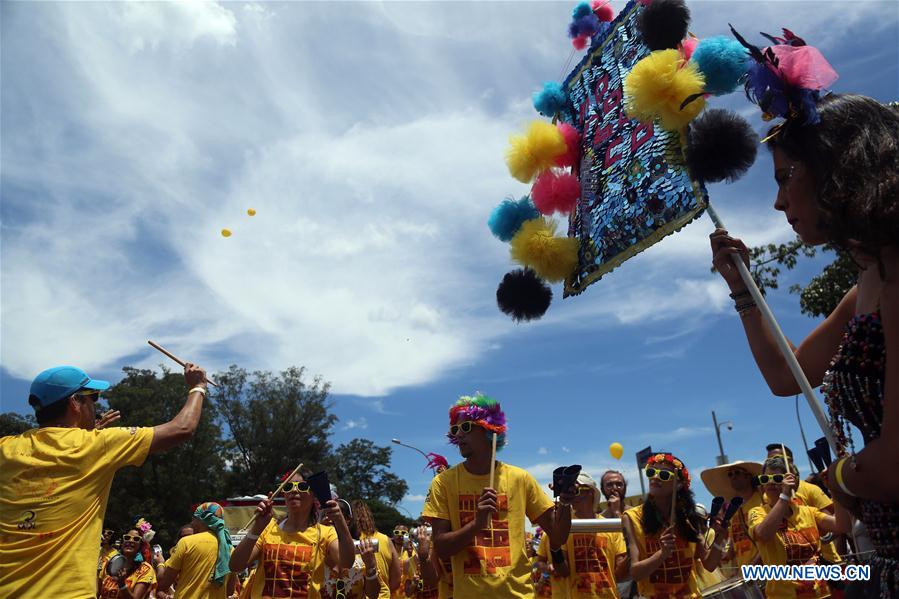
(226, 232)
(251, 212)
(616, 450)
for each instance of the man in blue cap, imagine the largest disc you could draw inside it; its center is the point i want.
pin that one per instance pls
(55, 481)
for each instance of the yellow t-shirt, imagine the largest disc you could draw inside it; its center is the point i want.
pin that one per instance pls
(797, 542)
(408, 567)
(55, 484)
(495, 563)
(591, 560)
(291, 564)
(194, 557)
(812, 496)
(445, 582)
(676, 576)
(745, 551)
(383, 557)
(704, 578)
(104, 558)
(109, 589)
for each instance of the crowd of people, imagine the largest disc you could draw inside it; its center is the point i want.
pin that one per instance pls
(838, 184)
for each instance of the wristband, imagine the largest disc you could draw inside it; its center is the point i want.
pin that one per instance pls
(557, 555)
(198, 389)
(785, 497)
(371, 576)
(838, 471)
(251, 536)
(740, 295)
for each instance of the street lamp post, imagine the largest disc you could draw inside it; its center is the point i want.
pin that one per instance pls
(722, 458)
(424, 455)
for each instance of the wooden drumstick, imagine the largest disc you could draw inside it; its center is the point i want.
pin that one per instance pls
(181, 362)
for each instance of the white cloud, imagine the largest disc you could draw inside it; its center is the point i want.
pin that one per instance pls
(415, 498)
(360, 423)
(542, 451)
(681, 432)
(565, 449)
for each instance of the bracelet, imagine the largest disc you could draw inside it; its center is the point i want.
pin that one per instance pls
(198, 389)
(744, 306)
(740, 295)
(785, 497)
(251, 536)
(838, 471)
(557, 555)
(371, 576)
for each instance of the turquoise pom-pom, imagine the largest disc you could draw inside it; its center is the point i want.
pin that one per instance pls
(581, 10)
(723, 62)
(550, 100)
(507, 218)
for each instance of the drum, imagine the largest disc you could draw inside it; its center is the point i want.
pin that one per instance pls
(734, 588)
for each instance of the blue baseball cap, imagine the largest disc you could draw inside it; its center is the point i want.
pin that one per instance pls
(59, 382)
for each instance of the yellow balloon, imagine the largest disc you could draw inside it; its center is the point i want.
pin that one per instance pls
(251, 212)
(616, 450)
(226, 232)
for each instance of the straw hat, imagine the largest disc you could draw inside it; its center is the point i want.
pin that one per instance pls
(716, 481)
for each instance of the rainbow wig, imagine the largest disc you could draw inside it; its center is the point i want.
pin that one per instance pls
(483, 411)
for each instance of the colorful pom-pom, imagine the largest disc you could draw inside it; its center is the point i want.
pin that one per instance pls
(507, 218)
(587, 26)
(658, 85)
(579, 43)
(536, 246)
(550, 100)
(721, 145)
(581, 10)
(556, 191)
(663, 24)
(523, 296)
(688, 46)
(536, 151)
(572, 142)
(603, 10)
(226, 232)
(723, 62)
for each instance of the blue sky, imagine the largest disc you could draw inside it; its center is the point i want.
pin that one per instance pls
(369, 137)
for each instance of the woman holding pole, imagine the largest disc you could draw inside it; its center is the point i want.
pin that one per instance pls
(838, 184)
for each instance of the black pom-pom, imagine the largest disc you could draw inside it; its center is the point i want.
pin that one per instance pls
(523, 295)
(663, 24)
(720, 145)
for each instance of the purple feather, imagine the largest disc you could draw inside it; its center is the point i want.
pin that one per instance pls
(572, 30)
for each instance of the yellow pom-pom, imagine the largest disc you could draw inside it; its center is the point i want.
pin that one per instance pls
(251, 212)
(658, 84)
(534, 152)
(536, 246)
(226, 232)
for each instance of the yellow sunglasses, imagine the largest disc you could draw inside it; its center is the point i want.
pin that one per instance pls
(464, 427)
(662, 475)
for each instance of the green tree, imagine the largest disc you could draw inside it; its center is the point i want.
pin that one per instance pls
(275, 422)
(165, 488)
(360, 471)
(821, 295)
(14, 424)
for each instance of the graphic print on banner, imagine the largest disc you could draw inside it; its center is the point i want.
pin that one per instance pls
(635, 187)
(490, 548)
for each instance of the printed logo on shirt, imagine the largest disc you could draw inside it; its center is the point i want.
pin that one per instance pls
(489, 549)
(590, 564)
(677, 569)
(28, 522)
(286, 571)
(801, 545)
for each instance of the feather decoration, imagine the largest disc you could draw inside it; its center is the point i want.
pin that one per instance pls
(534, 152)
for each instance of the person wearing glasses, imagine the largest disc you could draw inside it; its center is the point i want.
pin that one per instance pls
(737, 479)
(138, 579)
(107, 550)
(790, 534)
(481, 529)
(662, 552)
(592, 561)
(388, 562)
(56, 481)
(292, 555)
(402, 545)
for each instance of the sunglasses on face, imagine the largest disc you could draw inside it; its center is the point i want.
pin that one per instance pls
(132, 538)
(296, 487)
(400, 533)
(464, 427)
(765, 479)
(662, 475)
(88, 394)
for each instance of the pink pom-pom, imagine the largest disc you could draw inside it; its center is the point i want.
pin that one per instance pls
(572, 141)
(555, 191)
(688, 45)
(603, 10)
(580, 42)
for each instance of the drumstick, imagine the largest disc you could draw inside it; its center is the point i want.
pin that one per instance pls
(783, 452)
(673, 502)
(278, 490)
(181, 362)
(493, 463)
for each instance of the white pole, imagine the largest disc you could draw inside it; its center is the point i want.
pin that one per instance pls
(782, 343)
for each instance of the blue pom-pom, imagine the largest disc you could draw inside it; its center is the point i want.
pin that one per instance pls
(551, 99)
(723, 62)
(588, 25)
(581, 10)
(507, 218)
(572, 29)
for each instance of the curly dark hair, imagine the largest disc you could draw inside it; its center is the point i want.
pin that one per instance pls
(689, 522)
(853, 155)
